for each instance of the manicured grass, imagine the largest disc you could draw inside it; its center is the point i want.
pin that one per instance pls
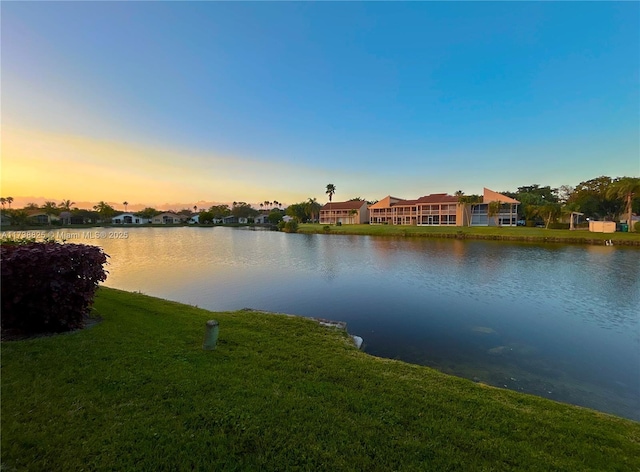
(137, 392)
(518, 233)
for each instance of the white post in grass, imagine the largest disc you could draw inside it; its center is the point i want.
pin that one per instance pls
(211, 335)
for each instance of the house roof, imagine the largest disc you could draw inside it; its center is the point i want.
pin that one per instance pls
(352, 205)
(432, 198)
(438, 198)
(491, 196)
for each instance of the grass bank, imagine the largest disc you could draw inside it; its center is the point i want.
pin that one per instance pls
(518, 233)
(137, 392)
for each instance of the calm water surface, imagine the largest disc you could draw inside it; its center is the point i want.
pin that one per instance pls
(557, 321)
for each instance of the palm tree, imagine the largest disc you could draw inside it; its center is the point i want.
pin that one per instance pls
(3, 202)
(66, 205)
(50, 208)
(126, 204)
(261, 206)
(549, 211)
(493, 210)
(331, 190)
(31, 206)
(105, 210)
(467, 201)
(9, 201)
(625, 188)
(313, 208)
(195, 208)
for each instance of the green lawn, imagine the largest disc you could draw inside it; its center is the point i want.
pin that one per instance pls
(137, 392)
(519, 233)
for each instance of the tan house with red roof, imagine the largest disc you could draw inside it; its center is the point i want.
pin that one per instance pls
(440, 209)
(346, 213)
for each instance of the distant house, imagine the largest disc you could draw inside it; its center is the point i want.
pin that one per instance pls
(41, 218)
(129, 219)
(261, 219)
(166, 219)
(194, 220)
(348, 213)
(227, 220)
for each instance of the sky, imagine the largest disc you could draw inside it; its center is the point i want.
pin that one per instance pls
(175, 103)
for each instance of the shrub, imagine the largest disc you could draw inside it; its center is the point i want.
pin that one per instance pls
(636, 226)
(326, 228)
(48, 286)
(291, 227)
(339, 223)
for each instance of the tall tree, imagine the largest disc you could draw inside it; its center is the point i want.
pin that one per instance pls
(220, 211)
(31, 206)
(9, 201)
(243, 210)
(3, 201)
(592, 200)
(625, 188)
(331, 190)
(298, 211)
(126, 204)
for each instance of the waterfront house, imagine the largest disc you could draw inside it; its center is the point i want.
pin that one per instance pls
(227, 220)
(507, 216)
(38, 217)
(348, 213)
(129, 219)
(441, 209)
(261, 219)
(166, 219)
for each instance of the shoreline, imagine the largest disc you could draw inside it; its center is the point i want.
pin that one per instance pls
(481, 233)
(142, 376)
(509, 234)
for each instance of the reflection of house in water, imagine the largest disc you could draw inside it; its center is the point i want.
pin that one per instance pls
(440, 209)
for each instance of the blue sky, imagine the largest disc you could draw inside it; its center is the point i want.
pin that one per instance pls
(187, 102)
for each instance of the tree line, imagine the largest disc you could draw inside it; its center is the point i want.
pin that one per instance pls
(601, 198)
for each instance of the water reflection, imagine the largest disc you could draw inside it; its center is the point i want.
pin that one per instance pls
(558, 321)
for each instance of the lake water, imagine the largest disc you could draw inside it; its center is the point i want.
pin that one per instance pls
(557, 321)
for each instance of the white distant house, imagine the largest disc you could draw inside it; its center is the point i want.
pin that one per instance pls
(234, 219)
(261, 219)
(194, 220)
(129, 219)
(166, 219)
